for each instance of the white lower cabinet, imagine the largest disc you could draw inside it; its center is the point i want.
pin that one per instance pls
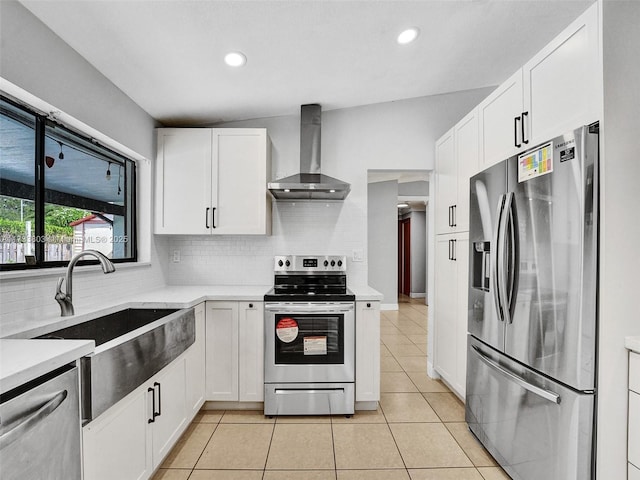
(450, 309)
(367, 351)
(633, 448)
(234, 367)
(195, 377)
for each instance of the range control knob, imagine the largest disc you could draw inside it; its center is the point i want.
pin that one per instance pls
(326, 263)
(333, 263)
(280, 263)
(287, 263)
(339, 263)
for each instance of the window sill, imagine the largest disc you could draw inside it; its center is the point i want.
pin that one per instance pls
(60, 271)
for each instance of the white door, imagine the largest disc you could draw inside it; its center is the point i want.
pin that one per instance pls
(561, 84)
(446, 308)
(500, 129)
(221, 351)
(466, 158)
(446, 182)
(183, 181)
(171, 405)
(240, 194)
(251, 352)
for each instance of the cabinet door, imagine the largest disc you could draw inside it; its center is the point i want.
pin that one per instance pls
(183, 181)
(367, 351)
(466, 157)
(561, 87)
(446, 182)
(634, 428)
(195, 380)
(171, 405)
(221, 338)
(499, 132)
(446, 309)
(241, 172)
(251, 352)
(461, 256)
(115, 445)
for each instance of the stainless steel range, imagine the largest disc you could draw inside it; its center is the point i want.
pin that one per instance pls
(309, 338)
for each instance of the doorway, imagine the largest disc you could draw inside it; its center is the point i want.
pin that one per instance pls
(404, 258)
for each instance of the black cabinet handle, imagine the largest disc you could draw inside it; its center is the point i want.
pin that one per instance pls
(515, 132)
(449, 250)
(251, 305)
(156, 384)
(368, 305)
(213, 217)
(524, 140)
(454, 257)
(153, 403)
(454, 209)
(206, 217)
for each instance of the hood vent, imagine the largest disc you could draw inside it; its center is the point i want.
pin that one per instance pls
(309, 184)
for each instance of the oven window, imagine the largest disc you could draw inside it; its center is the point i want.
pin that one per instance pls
(309, 339)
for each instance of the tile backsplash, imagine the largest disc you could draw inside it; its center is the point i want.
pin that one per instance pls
(318, 228)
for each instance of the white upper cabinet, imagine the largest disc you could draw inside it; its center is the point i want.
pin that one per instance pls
(500, 117)
(446, 182)
(213, 181)
(561, 83)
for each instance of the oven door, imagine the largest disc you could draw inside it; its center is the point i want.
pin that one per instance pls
(309, 342)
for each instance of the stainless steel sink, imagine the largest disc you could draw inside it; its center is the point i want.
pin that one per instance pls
(132, 345)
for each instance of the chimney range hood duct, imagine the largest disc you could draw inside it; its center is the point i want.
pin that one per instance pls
(309, 184)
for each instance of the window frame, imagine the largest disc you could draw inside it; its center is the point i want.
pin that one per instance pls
(42, 122)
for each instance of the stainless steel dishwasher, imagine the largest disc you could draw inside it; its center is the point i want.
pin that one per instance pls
(40, 429)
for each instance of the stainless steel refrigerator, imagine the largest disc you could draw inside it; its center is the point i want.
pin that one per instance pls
(531, 359)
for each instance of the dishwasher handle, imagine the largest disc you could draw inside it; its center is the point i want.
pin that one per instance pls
(7, 438)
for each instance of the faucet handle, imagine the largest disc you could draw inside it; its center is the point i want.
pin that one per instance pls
(59, 288)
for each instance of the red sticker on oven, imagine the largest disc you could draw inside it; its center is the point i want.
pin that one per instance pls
(287, 329)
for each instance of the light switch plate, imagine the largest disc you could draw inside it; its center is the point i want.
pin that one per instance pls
(358, 255)
(176, 256)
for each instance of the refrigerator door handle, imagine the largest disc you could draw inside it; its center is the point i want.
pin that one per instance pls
(541, 392)
(498, 267)
(509, 258)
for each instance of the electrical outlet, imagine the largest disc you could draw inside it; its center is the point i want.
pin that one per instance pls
(358, 255)
(176, 256)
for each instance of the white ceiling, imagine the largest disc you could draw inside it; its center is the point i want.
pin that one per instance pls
(167, 55)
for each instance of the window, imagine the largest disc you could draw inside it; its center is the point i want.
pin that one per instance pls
(60, 193)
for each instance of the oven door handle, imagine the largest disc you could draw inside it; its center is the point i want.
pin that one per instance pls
(310, 309)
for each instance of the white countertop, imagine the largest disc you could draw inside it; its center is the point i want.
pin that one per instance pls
(24, 360)
(632, 343)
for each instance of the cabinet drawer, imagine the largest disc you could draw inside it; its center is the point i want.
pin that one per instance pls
(634, 428)
(634, 372)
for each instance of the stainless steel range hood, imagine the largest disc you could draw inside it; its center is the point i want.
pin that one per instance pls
(309, 184)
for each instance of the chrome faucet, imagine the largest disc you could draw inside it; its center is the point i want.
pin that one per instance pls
(64, 298)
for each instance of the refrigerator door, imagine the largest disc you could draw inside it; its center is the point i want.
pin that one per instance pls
(553, 227)
(487, 198)
(534, 427)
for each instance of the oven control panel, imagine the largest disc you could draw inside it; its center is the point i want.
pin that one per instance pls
(310, 263)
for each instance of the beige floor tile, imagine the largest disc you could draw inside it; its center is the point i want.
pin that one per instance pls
(237, 447)
(245, 416)
(428, 445)
(419, 338)
(471, 446)
(396, 382)
(299, 475)
(365, 446)
(190, 446)
(373, 474)
(405, 350)
(361, 416)
(226, 475)
(412, 330)
(413, 363)
(389, 364)
(425, 383)
(173, 474)
(389, 329)
(423, 348)
(389, 339)
(445, 474)
(301, 447)
(493, 473)
(448, 407)
(406, 407)
(209, 416)
(303, 419)
(384, 351)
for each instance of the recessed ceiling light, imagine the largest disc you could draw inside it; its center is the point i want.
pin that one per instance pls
(235, 59)
(408, 36)
(403, 205)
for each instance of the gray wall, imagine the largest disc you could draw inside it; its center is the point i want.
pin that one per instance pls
(382, 231)
(418, 253)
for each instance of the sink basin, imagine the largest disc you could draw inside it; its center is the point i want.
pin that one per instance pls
(106, 328)
(132, 345)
